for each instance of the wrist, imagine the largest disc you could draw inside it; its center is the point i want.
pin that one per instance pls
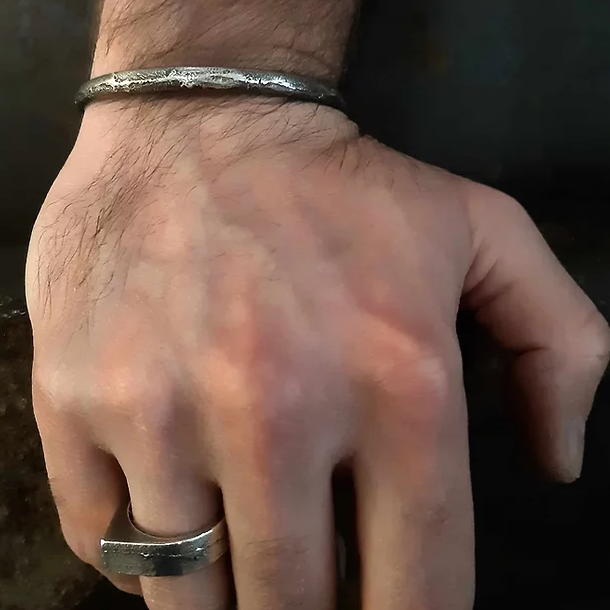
(222, 127)
(133, 145)
(304, 37)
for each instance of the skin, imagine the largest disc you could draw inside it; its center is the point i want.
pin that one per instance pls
(233, 296)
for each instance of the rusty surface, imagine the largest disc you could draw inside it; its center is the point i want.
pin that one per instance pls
(37, 570)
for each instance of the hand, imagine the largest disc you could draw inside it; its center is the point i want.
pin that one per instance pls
(239, 298)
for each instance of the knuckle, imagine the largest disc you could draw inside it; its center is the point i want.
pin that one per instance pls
(163, 595)
(269, 560)
(438, 512)
(433, 376)
(123, 386)
(76, 528)
(268, 416)
(52, 384)
(502, 202)
(268, 450)
(417, 390)
(586, 346)
(420, 386)
(140, 397)
(593, 340)
(270, 553)
(281, 414)
(83, 546)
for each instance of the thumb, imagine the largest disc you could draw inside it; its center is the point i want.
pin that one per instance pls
(561, 342)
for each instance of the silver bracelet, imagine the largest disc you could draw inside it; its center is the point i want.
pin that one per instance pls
(259, 82)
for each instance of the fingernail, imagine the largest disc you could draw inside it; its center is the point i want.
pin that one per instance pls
(573, 450)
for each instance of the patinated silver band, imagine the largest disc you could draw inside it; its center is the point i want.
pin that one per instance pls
(127, 550)
(258, 82)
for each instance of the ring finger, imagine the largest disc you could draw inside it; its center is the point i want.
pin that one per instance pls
(414, 501)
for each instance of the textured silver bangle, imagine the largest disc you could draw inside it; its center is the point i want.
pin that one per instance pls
(258, 82)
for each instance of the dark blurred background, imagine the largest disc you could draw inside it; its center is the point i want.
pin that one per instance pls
(512, 93)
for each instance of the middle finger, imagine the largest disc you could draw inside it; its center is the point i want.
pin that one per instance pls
(282, 538)
(413, 494)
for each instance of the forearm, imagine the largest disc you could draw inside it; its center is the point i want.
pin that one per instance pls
(307, 37)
